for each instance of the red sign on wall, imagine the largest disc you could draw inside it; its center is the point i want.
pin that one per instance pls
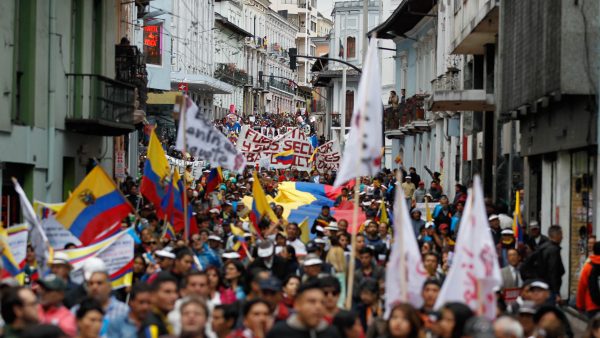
(153, 44)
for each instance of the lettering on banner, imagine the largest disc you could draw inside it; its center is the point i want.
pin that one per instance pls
(328, 157)
(197, 166)
(255, 145)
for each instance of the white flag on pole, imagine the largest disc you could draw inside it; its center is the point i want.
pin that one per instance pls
(39, 240)
(405, 273)
(362, 152)
(475, 271)
(204, 141)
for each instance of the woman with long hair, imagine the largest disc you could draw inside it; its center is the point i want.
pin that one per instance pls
(288, 253)
(404, 322)
(337, 258)
(215, 284)
(290, 288)
(453, 320)
(234, 282)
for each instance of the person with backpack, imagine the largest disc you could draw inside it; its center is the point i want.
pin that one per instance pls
(588, 290)
(546, 263)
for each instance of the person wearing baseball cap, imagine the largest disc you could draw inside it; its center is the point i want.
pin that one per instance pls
(535, 238)
(61, 267)
(270, 290)
(51, 309)
(267, 260)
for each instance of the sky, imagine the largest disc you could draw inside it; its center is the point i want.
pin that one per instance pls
(325, 7)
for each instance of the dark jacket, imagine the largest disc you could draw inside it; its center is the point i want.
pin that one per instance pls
(155, 325)
(293, 328)
(553, 267)
(280, 268)
(530, 241)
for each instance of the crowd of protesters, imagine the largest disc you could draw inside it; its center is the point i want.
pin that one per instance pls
(220, 283)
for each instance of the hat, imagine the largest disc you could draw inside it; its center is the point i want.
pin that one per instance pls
(443, 226)
(265, 249)
(94, 265)
(319, 228)
(333, 226)
(429, 225)
(60, 258)
(214, 211)
(312, 259)
(428, 195)
(215, 238)
(540, 285)
(320, 241)
(421, 183)
(53, 283)
(271, 284)
(9, 281)
(231, 255)
(507, 232)
(164, 254)
(534, 225)
(408, 177)
(493, 217)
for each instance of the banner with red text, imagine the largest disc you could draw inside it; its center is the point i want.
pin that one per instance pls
(255, 145)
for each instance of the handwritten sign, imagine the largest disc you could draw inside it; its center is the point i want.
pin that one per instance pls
(255, 145)
(328, 157)
(204, 141)
(119, 257)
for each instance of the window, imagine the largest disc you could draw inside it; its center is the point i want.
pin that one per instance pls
(350, 47)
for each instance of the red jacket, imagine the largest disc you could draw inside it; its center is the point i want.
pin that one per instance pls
(584, 300)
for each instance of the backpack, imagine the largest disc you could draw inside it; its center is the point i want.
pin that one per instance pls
(533, 267)
(593, 284)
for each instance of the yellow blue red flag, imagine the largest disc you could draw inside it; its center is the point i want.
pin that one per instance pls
(94, 205)
(260, 206)
(285, 157)
(156, 170)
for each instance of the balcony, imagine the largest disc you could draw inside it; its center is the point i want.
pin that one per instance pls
(282, 85)
(475, 25)
(229, 73)
(408, 117)
(98, 105)
(448, 95)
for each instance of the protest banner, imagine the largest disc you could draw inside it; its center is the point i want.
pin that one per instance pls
(57, 235)
(201, 139)
(17, 241)
(328, 157)
(180, 165)
(255, 145)
(119, 261)
(116, 251)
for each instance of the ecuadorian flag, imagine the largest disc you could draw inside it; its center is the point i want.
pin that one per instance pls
(95, 204)
(172, 205)
(518, 220)
(156, 169)
(285, 157)
(214, 179)
(260, 206)
(10, 264)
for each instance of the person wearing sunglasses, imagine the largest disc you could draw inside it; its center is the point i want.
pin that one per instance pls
(331, 288)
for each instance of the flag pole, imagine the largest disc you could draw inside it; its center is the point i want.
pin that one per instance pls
(182, 116)
(400, 237)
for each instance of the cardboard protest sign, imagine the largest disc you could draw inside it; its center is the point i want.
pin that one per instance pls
(328, 157)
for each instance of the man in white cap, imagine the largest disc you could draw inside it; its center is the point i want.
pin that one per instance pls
(98, 285)
(61, 267)
(312, 267)
(494, 221)
(269, 261)
(535, 238)
(507, 242)
(409, 190)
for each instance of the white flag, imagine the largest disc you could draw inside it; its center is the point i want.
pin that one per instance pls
(475, 271)
(38, 237)
(205, 141)
(362, 153)
(405, 273)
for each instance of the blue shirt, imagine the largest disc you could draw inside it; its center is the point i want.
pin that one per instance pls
(122, 327)
(116, 309)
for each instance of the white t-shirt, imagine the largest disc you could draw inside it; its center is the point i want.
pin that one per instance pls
(298, 246)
